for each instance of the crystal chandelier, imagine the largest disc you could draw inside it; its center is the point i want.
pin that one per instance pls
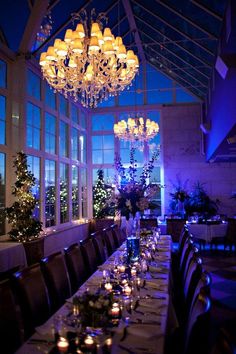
(89, 62)
(136, 129)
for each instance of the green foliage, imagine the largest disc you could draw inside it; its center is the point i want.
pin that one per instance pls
(199, 202)
(101, 194)
(20, 214)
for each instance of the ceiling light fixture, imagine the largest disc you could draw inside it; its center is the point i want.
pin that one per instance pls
(89, 62)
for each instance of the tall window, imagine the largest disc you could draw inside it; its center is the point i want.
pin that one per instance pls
(34, 167)
(83, 150)
(74, 113)
(2, 190)
(50, 133)
(102, 122)
(63, 107)
(50, 193)
(64, 196)
(84, 196)
(74, 144)
(103, 149)
(33, 85)
(50, 97)
(63, 139)
(33, 126)
(75, 192)
(83, 122)
(3, 74)
(2, 120)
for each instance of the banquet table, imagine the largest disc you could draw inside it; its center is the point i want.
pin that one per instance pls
(144, 328)
(12, 254)
(207, 232)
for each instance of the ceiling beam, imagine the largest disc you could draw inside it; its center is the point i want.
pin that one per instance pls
(66, 23)
(206, 64)
(176, 29)
(206, 9)
(176, 55)
(36, 16)
(117, 24)
(54, 3)
(177, 66)
(134, 29)
(200, 95)
(186, 19)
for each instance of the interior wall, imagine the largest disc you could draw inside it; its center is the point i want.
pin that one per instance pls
(183, 156)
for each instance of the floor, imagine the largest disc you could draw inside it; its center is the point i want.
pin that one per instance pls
(222, 267)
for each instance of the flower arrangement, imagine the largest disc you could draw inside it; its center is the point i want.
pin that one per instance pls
(134, 195)
(94, 309)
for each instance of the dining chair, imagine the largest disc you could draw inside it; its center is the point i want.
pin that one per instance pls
(109, 240)
(33, 297)
(148, 223)
(75, 266)
(57, 279)
(11, 326)
(225, 341)
(188, 247)
(89, 254)
(118, 236)
(230, 237)
(99, 245)
(174, 228)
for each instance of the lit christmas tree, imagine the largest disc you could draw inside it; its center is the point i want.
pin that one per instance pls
(20, 215)
(101, 194)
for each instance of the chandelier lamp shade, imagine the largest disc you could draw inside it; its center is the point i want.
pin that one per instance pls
(90, 62)
(136, 129)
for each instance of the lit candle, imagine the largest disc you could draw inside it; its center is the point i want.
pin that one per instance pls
(122, 268)
(89, 342)
(124, 282)
(127, 290)
(62, 345)
(115, 310)
(133, 271)
(104, 274)
(108, 286)
(138, 280)
(108, 342)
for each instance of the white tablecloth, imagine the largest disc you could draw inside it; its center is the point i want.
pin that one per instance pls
(12, 255)
(153, 312)
(207, 232)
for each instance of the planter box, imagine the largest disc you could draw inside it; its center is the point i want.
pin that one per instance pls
(34, 250)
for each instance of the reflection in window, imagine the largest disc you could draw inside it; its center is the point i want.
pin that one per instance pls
(50, 97)
(3, 74)
(74, 144)
(74, 113)
(33, 85)
(103, 149)
(82, 143)
(84, 197)
(2, 190)
(75, 192)
(33, 126)
(2, 120)
(64, 208)
(63, 105)
(83, 122)
(63, 139)
(108, 175)
(50, 193)
(50, 133)
(102, 122)
(34, 167)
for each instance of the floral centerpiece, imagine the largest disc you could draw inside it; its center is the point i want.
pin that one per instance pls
(134, 195)
(179, 196)
(94, 309)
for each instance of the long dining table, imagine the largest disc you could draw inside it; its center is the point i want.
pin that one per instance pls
(143, 329)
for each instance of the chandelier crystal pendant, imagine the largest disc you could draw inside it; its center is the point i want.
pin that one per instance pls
(136, 129)
(89, 62)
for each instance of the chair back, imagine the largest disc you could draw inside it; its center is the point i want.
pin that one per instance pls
(174, 228)
(226, 340)
(99, 246)
(231, 231)
(109, 240)
(148, 223)
(194, 252)
(201, 283)
(11, 332)
(76, 266)
(183, 236)
(33, 297)
(57, 279)
(197, 329)
(192, 277)
(117, 234)
(188, 247)
(89, 255)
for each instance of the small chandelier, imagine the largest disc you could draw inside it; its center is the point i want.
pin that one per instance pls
(136, 129)
(89, 62)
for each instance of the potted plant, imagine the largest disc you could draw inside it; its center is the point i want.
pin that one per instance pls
(179, 197)
(25, 227)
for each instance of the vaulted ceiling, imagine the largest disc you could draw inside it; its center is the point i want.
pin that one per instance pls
(178, 37)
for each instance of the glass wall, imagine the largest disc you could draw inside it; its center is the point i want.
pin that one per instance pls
(2, 120)
(75, 193)
(50, 193)
(50, 133)
(64, 194)
(3, 74)
(34, 166)
(33, 126)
